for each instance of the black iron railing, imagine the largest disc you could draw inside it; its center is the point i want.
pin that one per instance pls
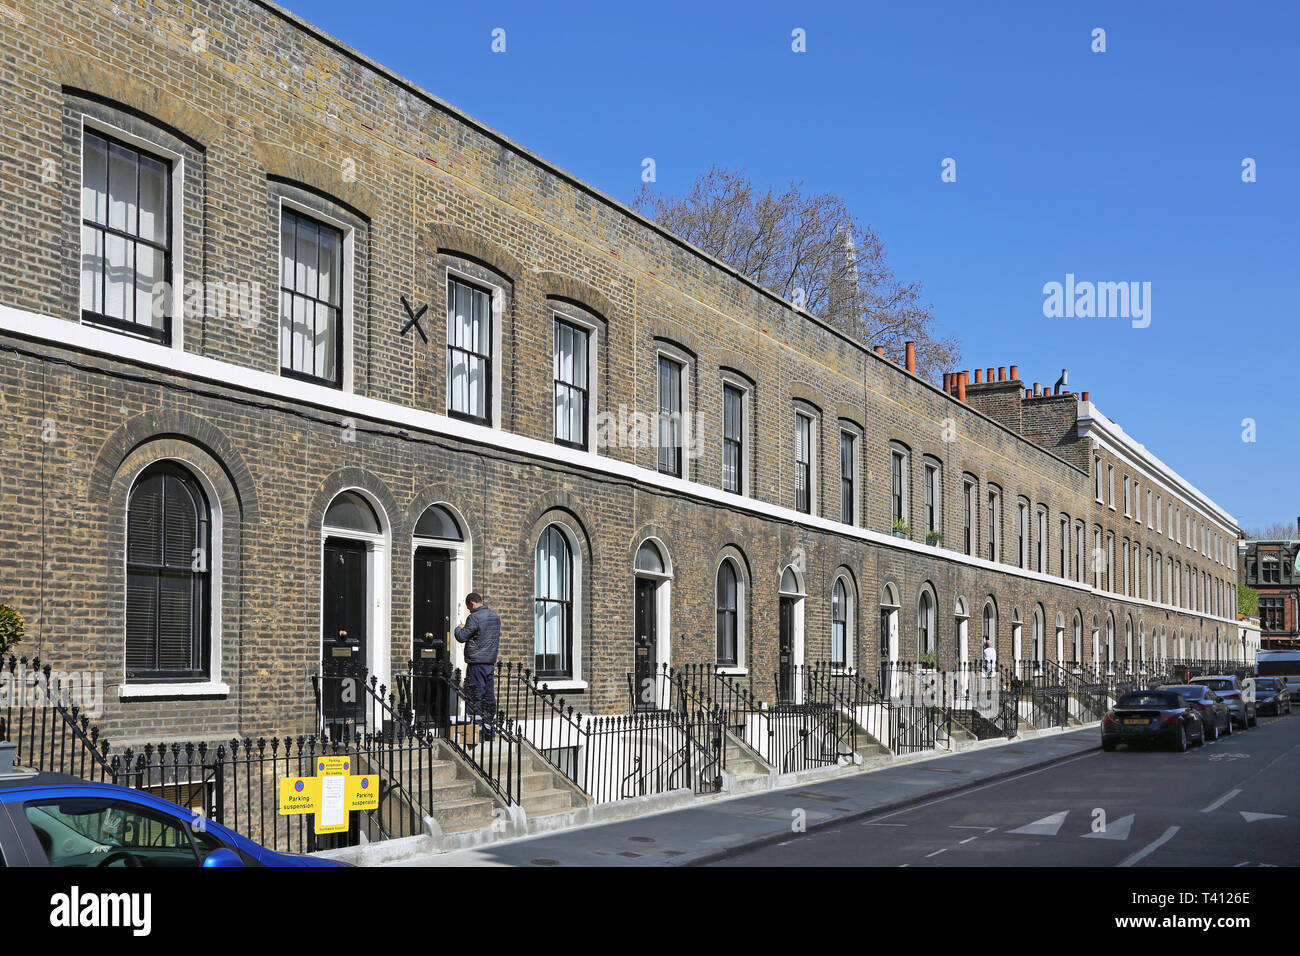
(51, 732)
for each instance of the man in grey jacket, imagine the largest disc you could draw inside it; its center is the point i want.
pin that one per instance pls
(481, 635)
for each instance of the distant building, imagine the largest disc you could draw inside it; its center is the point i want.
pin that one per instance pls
(1270, 568)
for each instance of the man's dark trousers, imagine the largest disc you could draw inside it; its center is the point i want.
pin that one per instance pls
(481, 696)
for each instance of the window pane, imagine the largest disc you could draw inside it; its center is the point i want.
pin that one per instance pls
(153, 200)
(94, 179)
(92, 269)
(122, 188)
(120, 285)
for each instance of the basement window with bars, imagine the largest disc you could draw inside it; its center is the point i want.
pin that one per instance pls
(168, 587)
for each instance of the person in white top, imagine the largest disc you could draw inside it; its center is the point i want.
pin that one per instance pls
(990, 656)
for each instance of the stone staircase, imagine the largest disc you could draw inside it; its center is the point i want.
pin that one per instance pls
(744, 768)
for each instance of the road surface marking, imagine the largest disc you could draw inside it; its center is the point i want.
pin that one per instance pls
(936, 853)
(968, 839)
(1047, 826)
(1252, 817)
(1119, 830)
(1149, 848)
(1221, 801)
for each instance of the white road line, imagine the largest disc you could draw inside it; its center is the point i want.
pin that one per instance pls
(1221, 801)
(1243, 863)
(936, 853)
(1149, 848)
(884, 824)
(968, 839)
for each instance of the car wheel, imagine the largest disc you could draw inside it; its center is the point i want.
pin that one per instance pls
(1227, 731)
(1214, 731)
(1181, 744)
(1253, 721)
(1200, 741)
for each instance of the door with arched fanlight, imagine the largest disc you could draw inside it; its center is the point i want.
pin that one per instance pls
(789, 637)
(438, 555)
(650, 626)
(351, 574)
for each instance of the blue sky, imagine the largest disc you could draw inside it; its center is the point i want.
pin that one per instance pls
(1115, 166)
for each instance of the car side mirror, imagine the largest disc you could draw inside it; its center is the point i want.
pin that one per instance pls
(223, 857)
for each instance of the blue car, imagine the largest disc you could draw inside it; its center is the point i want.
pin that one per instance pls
(52, 819)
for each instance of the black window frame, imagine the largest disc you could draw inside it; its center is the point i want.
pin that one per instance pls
(540, 662)
(727, 618)
(803, 468)
(486, 417)
(733, 444)
(574, 329)
(287, 371)
(669, 458)
(162, 336)
(200, 638)
(848, 472)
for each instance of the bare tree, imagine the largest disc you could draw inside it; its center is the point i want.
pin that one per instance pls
(811, 251)
(1274, 531)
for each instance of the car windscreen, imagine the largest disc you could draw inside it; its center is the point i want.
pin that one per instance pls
(1191, 691)
(1148, 699)
(1266, 683)
(1217, 683)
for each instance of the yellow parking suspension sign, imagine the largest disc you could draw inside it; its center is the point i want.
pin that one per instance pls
(331, 795)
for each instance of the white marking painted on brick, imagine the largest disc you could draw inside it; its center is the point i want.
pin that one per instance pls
(1047, 826)
(1119, 830)
(1221, 801)
(1150, 848)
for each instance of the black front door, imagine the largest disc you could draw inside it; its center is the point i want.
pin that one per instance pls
(785, 660)
(430, 628)
(645, 649)
(343, 630)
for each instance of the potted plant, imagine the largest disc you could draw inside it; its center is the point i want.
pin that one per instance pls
(928, 659)
(933, 538)
(901, 530)
(11, 628)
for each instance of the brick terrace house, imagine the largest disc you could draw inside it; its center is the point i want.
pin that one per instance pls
(226, 454)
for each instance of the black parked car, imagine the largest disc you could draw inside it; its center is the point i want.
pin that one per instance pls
(1272, 695)
(1214, 711)
(1153, 717)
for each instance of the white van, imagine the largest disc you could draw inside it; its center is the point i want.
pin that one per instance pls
(1279, 664)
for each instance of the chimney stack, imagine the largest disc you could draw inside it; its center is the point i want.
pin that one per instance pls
(979, 376)
(1002, 373)
(961, 386)
(909, 351)
(880, 350)
(947, 382)
(1029, 393)
(988, 375)
(1015, 372)
(1062, 381)
(1038, 390)
(1084, 396)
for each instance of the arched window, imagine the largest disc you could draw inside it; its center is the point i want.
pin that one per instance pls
(437, 522)
(1076, 647)
(168, 556)
(841, 618)
(925, 636)
(1128, 639)
(1110, 638)
(351, 512)
(1037, 636)
(989, 627)
(648, 559)
(728, 614)
(553, 604)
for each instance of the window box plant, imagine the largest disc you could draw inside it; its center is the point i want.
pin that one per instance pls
(933, 538)
(901, 530)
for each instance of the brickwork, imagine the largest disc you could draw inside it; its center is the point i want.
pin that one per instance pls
(265, 111)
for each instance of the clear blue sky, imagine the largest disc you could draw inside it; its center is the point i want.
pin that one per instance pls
(1115, 166)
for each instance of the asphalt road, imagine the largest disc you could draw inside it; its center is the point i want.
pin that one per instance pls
(1233, 802)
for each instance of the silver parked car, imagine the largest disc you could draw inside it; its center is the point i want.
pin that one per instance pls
(1232, 692)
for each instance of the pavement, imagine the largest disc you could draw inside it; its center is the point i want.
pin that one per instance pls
(716, 829)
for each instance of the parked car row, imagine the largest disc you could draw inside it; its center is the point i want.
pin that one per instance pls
(1205, 708)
